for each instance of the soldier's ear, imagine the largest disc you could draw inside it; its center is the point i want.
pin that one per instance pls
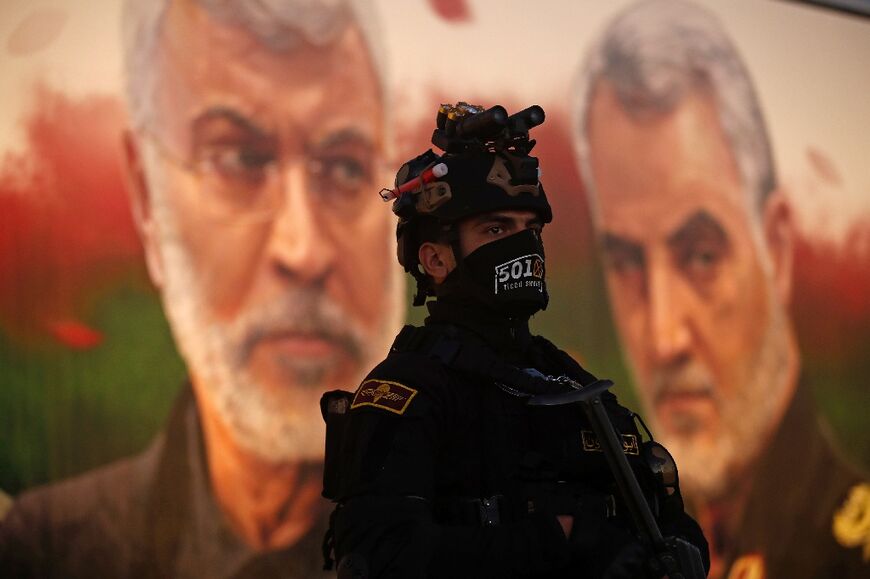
(140, 205)
(437, 260)
(778, 228)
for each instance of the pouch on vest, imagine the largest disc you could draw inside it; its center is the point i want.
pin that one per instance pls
(334, 407)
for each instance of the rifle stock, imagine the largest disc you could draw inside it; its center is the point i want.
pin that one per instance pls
(678, 558)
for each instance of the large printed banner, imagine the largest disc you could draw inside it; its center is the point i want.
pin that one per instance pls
(193, 249)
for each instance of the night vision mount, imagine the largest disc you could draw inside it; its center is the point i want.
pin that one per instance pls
(466, 128)
(466, 131)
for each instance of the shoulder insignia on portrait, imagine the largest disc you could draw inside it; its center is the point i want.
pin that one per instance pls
(385, 395)
(851, 524)
(749, 566)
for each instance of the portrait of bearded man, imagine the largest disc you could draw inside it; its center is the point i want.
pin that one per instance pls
(696, 235)
(255, 148)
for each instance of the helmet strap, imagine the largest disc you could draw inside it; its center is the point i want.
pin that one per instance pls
(453, 240)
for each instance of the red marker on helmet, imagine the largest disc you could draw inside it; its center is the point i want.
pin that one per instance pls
(434, 172)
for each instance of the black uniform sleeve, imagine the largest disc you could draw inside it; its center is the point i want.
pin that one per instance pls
(388, 462)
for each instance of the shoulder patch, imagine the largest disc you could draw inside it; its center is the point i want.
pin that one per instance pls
(383, 394)
(851, 524)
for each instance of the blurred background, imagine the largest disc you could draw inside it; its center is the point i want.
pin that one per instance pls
(88, 369)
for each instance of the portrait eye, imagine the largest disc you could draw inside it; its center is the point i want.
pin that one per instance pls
(340, 173)
(495, 229)
(703, 259)
(238, 164)
(627, 265)
(701, 262)
(623, 261)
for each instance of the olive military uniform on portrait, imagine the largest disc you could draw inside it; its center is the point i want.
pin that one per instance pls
(797, 503)
(153, 515)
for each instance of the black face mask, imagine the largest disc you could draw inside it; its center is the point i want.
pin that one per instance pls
(507, 275)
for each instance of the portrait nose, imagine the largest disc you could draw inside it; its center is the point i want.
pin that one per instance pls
(670, 335)
(300, 247)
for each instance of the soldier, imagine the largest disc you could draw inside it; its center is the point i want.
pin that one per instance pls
(438, 465)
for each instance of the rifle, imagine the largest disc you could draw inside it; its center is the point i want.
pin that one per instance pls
(678, 558)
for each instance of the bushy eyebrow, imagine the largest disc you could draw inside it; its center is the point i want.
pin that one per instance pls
(612, 243)
(700, 225)
(344, 136)
(232, 116)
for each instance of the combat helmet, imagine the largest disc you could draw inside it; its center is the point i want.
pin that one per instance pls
(485, 166)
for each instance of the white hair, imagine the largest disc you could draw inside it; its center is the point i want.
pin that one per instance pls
(280, 25)
(654, 54)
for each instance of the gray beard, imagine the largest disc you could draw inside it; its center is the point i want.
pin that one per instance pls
(278, 425)
(748, 417)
